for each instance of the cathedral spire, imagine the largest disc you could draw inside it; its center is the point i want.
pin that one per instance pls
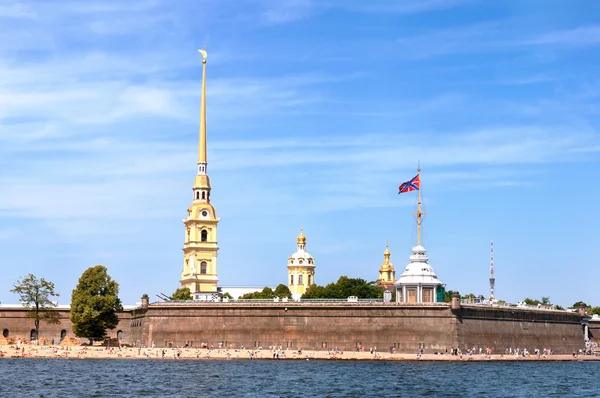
(202, 160)
(202, 182)
(200, 248)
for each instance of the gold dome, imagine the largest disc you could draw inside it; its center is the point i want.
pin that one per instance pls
(301, 238)
(387, 251)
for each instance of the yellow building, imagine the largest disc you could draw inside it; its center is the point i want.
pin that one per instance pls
(387, 274)
(200, 249)
(301, 269)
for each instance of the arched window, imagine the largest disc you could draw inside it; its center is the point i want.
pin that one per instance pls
(300, 279)
(301, 261)
(197, 194)
(203, 195)
(188, 233)
(5, 333)
(203, 267)
(204, 235)
(120, 335)
(389, 275)
(291, 281)
(63, 334)
(309, 280)
(33, 335)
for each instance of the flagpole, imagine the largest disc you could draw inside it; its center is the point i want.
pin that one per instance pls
(419, 212)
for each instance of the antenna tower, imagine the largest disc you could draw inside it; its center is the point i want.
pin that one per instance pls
(492, 277)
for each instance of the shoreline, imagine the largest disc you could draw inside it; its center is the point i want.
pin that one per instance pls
(175, 354)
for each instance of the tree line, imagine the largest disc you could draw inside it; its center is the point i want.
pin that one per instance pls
(94, 302)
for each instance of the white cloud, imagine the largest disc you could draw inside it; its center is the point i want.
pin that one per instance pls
(580, 36)
(284, 11)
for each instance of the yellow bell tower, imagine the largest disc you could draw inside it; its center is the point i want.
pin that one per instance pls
(200, 249)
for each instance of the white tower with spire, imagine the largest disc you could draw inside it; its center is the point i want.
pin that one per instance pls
(418, 283)
(492, 277)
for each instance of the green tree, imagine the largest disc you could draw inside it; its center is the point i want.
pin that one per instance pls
(577, 304)
(448, 296)
(314, 291)
(182, 294)
(266, 293)
(558, 307)
(545, 300)
(343, 288)
(95, 303)
(470, 296)
(227, 296)
(35, 294)
(282, 291)
(529, 301)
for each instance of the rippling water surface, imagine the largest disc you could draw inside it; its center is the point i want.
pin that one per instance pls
(100, 378)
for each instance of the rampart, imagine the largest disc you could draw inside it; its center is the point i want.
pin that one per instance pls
(505, 327)
(322, 326)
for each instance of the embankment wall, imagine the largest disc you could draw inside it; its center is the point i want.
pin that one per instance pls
(303, 325)
(406, 327)
(503, 327)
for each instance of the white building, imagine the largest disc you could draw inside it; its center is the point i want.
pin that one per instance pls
(418, 283)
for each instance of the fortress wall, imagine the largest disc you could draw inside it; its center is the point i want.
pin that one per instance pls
(307, 326)
(19, 325)
(329, 325)
(594, 331)
(500, 328)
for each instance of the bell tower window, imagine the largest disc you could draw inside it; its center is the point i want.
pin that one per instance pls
(300, 279)
(204, 235)
(291, 279)
(197, 195)
(203, 195)
(203, 267)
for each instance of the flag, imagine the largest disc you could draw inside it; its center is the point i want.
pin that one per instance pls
(411, 185)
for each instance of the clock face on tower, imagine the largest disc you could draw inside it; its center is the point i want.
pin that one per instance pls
(204, 213)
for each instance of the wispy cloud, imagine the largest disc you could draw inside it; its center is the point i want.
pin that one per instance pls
(286, 11)
(398, 6)
(579, 36)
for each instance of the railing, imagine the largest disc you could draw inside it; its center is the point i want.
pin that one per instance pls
(488, 303)
(269, 301)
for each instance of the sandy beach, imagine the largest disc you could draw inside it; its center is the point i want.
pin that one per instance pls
(96, 352)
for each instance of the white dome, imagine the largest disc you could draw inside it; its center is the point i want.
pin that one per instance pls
(418, 271)
(301, 257)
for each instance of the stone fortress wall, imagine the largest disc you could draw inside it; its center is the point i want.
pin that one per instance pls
(407, 327)
(323, 326)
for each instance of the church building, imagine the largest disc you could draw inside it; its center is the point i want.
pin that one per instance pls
(200, 247)
(301, 269)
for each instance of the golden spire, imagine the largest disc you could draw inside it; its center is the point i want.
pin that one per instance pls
(419, 213)
(202, 142)
(386, 254)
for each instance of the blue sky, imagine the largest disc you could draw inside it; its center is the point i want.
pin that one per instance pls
(317, 110)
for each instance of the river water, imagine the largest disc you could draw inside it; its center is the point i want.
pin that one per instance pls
(180, 378)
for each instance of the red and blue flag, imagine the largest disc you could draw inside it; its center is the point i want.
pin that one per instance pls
(413, 184)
